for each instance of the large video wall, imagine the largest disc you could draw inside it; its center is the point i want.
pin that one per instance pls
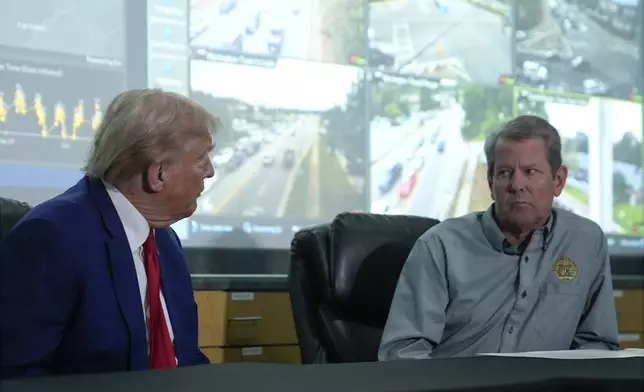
(329, 106)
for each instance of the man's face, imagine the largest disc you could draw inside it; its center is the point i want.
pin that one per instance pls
(522, 183)
(185, 178)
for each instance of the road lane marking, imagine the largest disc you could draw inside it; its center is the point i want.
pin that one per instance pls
(248, 175)
(236, 190)
(261, 190)
(424, 178)
(429, 172)
(395, 147)
(290, 182)
(465, 193)
(313, 202)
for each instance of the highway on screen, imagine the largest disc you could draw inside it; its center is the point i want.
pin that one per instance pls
(256, 176)
(421, 175)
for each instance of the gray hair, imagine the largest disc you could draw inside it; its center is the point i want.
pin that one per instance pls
(142, 127)
(524, 128)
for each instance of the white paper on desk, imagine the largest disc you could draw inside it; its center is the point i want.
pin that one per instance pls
(576, 354)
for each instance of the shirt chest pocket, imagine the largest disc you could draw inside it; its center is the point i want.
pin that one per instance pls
(558, 313)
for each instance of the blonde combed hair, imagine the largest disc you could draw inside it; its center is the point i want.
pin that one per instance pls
(142, 127)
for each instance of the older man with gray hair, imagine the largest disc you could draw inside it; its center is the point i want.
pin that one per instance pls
(94, 280)
(521, 276)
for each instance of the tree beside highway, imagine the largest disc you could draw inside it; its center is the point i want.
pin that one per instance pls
(344, 28)
(486, 108)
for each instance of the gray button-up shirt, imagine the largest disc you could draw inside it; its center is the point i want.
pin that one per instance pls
(465, 290)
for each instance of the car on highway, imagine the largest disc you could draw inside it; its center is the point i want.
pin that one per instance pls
(535, 72)
(249, 148)
(268, 160)
(222, 157)
(235, 162)
(580, 64)
(407, 184)
(390, 178)
(594, 87)
(288, 160)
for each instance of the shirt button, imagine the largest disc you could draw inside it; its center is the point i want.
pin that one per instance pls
(526, 259)
(523, 294)
(511, 329)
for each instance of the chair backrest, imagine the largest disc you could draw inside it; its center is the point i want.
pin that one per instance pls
(11, 211)
(342, 279)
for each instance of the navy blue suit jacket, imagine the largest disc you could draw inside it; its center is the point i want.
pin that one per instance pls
(69, 296)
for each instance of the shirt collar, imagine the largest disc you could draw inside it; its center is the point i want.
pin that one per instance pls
(498, 241)
(136, 227)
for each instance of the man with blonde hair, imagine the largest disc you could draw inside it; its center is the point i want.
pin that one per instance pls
(94, 280)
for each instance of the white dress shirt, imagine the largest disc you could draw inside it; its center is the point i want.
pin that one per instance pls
(137, 231)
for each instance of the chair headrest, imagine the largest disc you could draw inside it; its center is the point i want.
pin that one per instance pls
(368, 252)
(11, 211)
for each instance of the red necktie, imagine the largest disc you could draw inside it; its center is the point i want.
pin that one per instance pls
(161, 351)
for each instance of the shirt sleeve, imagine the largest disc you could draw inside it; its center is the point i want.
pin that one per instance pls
(417, 315)
(597, 328)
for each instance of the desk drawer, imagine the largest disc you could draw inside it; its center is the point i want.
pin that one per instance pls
(244, 319)
(271, 354)
(629, 305)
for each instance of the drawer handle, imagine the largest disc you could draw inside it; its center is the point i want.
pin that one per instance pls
(252, 318)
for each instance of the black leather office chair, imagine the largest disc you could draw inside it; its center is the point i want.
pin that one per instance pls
(342, 280)
(11, 211)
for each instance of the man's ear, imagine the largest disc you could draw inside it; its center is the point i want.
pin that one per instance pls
(155, 177)
(560, 179)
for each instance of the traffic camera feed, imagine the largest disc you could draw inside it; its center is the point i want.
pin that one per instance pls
(576, 118)
(439, 170)
(248, 30)
(289, 153)
(417, 150)
(601, 147)
(588, 47)
(466, 40)
(623, 127)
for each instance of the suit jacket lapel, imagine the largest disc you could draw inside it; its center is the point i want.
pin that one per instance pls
(126, 286)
